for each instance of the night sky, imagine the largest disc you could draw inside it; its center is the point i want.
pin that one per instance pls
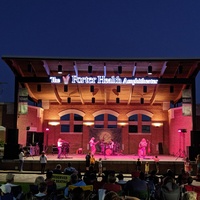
(110, 29)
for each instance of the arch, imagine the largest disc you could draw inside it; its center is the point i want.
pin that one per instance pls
(112, 112)
(68, 111)
(144, 112)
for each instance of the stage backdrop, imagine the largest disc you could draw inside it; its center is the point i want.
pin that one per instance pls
(105, 135)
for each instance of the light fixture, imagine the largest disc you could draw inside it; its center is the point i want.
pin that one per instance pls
(144, 88)
(157, 124)
(39, 88)
(118, 88)
(182, 130)
(134, 70)
(119, 69)
(149, 70)
(65, 88)
(142, 100)
(69, 100)
(117, 100)
(122, 124)
(89, 69)
(88, 123)
(104, 69)
(92, 88)
(93, 100)
(53, 123)
(171, 89)
(59, 69)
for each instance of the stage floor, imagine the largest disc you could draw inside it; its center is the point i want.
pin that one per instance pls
(81, 157)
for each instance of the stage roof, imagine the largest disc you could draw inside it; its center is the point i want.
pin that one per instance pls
(173, 75)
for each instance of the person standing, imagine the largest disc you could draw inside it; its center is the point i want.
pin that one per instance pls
(187, 166)
(138, 165)
(92, 144)
(37, 150)
(21, 160)
(100, 166)
(156, 161)
(92, 160)
(43, 162)
(87, 161)
(146, 168)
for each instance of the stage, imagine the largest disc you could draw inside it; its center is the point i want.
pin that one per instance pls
(118, 163)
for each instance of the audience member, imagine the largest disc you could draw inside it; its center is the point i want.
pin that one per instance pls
(100, 166)
(156, 161)
(73, 181)
(5, 192)
(21, 160)
(138, 165)
(34, 187)
(111, 184)
(42, 190)
(92, 160)
(136, 187)
(87, 160)
(58, 169)
(111, 195)
(77, 194)
(146, 168)
(51, 185)
(69, 169)
(43, 162)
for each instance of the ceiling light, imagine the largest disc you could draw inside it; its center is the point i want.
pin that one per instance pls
(59, 69)
(119, 69)
(89, 69)
(149, 70)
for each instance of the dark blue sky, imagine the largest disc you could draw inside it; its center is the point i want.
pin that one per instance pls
(113, 29)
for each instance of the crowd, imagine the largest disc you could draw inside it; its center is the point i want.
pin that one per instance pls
(107, 184)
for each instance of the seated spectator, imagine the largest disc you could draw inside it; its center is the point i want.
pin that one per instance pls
(136, 187)
(73, 181)
(5, 191)
(42, 190)
(51, 184)
(112, 196)
(169, 190)
(58, 170)
(10, 179)
(77, 194)
(69, 169)
(182, 177)
(121, 180)
(34, 187)
(111, 185)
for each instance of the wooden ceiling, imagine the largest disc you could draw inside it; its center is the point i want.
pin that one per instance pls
(31, 71)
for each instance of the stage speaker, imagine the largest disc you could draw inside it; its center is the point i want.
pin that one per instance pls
(12, 136)
(160, 148)
(11, 151)
(193, 152)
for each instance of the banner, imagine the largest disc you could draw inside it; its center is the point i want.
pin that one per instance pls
(23, 101)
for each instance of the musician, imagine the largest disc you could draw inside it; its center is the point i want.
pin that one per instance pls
(111, 145)
(92, 144)
(142, 148)
(59, 146)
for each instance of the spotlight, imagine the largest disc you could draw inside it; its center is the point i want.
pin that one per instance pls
(117, 100)
(93, 100)
(171, 89)
(69, 100)
(39, 88)
(182, 130)
(59, 69)
(118, 88)
(92, 88)
(119, 69)
(144, 88)
(89, 69)
(149, 70)
(65, 88)
(142, 101)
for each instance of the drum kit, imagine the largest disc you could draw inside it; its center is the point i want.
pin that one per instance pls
(109, 149)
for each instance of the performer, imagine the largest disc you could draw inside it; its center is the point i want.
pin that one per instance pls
(142, 148)
(92, 144)
(112, 146)
(59, 146)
